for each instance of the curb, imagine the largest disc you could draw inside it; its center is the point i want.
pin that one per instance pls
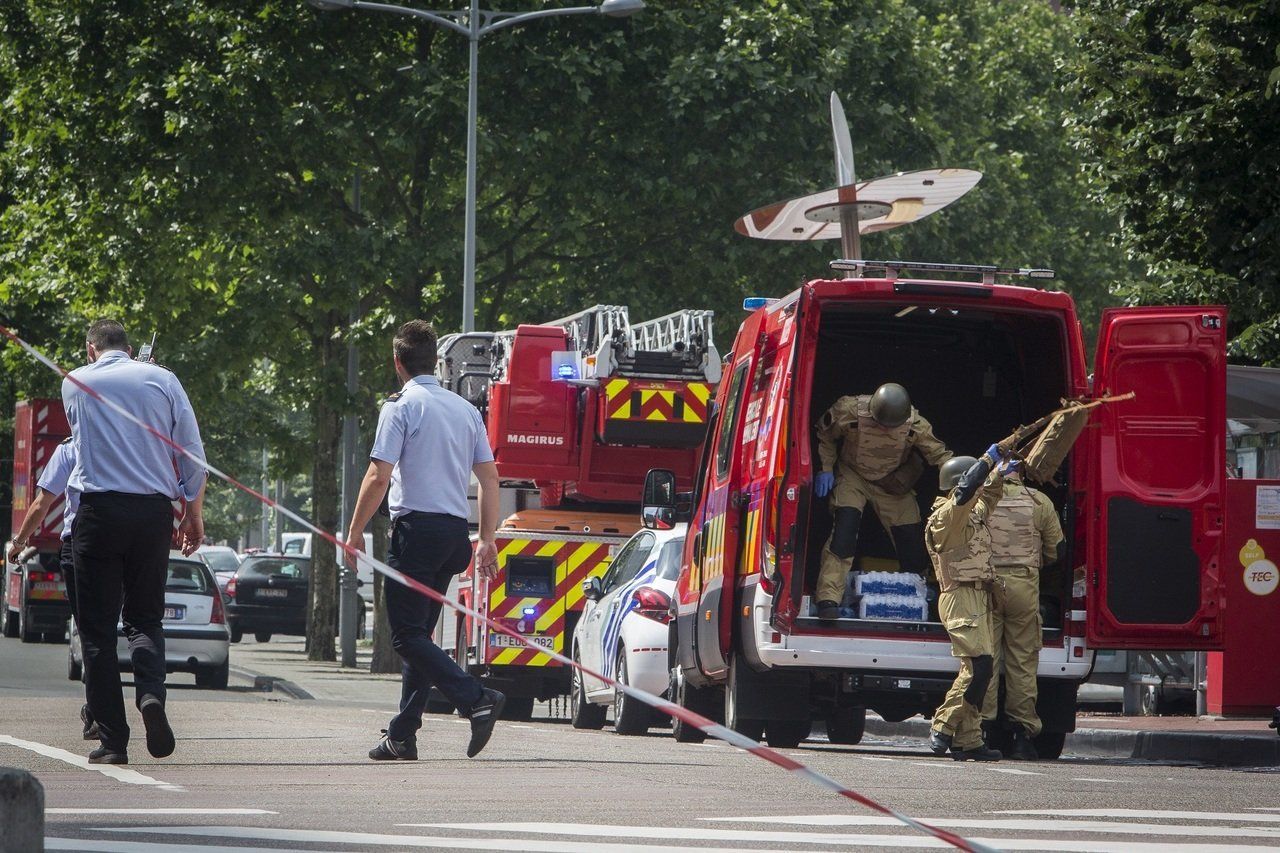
(271, 684)
(1231, 749)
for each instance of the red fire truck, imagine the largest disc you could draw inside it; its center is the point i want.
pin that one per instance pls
(35, 596)
(1140, 496)
(577, 411)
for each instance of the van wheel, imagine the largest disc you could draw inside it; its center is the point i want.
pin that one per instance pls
(237, 634)
(214, 678)
(438, 704)
(10, 624)
(745, 726)
(785, 734)
(24, 633)
(262, 636)
(585, 715)
(687, 696)
(630, 717)
(518, 708)
(846, 726)
(55, 636)
(74, 668)
(1049, 745)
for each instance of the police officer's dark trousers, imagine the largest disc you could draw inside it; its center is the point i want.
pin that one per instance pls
(431, 548)
(121, 554)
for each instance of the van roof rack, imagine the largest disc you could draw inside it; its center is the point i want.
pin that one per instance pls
(988, 273)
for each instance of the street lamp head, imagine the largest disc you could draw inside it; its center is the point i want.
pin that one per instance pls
(619, 8)
(332, 5)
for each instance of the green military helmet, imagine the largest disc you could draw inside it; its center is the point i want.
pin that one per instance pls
(952, 470)
(891, 405)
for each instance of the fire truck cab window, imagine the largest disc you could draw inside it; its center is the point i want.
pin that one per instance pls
(629, 562)
(729, 420)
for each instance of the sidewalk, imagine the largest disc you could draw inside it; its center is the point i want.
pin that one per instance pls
(283, 666)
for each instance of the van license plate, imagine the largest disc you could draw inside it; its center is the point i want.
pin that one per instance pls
(175, 612)
(502, 641)
(272, 593)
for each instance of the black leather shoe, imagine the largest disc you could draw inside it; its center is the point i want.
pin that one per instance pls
(978, 753)
(395, 750)
(939, 743)
(484, 715)
(1023, 748)
(90, 727)
(160, 740)
(105, 755)
(828, 611)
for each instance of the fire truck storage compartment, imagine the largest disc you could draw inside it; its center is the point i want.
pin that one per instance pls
(533, 416)
(975, 373)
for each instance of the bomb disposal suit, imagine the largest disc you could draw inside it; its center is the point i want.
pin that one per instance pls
(958, 537)
(1025, 535)
(882, 453)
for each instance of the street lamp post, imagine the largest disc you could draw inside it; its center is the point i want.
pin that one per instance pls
(475, 24)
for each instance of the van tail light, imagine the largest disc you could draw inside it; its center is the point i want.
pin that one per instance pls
(653, 604)
(34, 577)
(219, 616)
(231, 587)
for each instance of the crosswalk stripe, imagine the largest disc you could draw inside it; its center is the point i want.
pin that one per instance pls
(1014, 771)
(113, 771)
(80, 845)
(160, 811)
(985, 824)
(1149, 813)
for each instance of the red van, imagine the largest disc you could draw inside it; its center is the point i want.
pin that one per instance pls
(1140, 497)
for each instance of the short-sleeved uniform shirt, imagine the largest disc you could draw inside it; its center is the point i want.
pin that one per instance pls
(54, 479)
(433, 437)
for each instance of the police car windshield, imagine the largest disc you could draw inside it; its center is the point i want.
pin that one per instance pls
(669, 560)
(265, 567)
(187, 576)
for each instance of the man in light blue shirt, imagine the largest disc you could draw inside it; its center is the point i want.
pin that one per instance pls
(127, 479)
(429, 443)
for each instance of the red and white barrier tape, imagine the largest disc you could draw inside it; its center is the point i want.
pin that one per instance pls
(709, 727)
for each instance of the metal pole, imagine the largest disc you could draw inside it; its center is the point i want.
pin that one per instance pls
(348, 612)
(265, 529)
(279, 546)
(469, 239)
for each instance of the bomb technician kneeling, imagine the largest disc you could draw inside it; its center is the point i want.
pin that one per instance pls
(873, 449)
(958, 536)
(428, 444)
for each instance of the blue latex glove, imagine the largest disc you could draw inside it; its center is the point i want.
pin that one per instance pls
(1009, 467)
(995, 455)
(823, 483)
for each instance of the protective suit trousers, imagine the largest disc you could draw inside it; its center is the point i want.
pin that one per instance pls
(1016, 635)
(966, 614)
(900, 515)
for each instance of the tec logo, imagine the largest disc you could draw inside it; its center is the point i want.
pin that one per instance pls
(1260, 574)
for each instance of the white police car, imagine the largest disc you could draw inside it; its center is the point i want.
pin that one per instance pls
(195, 627)
(624, 629)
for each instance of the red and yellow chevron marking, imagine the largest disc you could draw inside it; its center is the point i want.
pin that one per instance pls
(679, 402)
(751, 543)
(575, 561)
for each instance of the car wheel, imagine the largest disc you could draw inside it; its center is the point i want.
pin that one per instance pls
(787, 734)
(24, 633)
(262, 636)
(10, 624)
(685, 696)
(746, 726)
(74, 668)
(214, 677)
(1049, 745)
(237, 633)
(630, 716)
(585, 715)
(846, 725)
(518, 709)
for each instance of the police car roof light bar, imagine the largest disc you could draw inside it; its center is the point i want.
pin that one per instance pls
(987, 272)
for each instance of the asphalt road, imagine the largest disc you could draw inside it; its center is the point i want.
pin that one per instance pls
(259, 771)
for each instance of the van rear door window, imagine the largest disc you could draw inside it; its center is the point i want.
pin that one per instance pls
(729, 419)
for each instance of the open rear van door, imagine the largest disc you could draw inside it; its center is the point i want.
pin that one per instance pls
(1157, 480)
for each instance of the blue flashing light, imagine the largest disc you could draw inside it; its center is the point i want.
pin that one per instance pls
(751, 303)
(566, 371)
(529, 611)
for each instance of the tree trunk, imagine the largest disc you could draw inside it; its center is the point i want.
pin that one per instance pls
(324, 512)
(385, 658)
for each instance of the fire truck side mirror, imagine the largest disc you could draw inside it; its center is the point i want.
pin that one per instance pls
(658, 508)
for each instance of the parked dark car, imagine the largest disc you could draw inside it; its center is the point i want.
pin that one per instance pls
(268, 595)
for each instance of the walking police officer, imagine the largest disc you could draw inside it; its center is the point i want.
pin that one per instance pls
(123, 529)
(883, 446)
(53, 482)
(958, 536)
(428, 444)
(1025, 534)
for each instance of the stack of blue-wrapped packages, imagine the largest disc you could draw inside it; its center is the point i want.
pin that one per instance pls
(891, 595)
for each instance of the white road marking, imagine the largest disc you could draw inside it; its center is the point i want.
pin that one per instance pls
(963, 823)
(874, 758)
(81, 845)
(113, 771)
(160, 811)
(366, 839)
(1015, 771)
(1093, 779)
(518, 726)
(1149, 813)
(949, 765)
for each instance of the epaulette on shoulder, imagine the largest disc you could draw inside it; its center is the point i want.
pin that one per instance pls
(391, 398)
